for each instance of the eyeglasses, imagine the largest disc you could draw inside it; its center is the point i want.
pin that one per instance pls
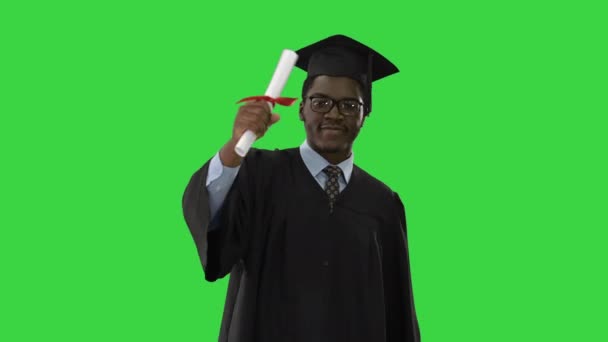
(323, 104)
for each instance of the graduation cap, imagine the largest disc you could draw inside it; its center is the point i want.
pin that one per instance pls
(340, 55)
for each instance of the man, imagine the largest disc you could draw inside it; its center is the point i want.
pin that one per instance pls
(316, 248)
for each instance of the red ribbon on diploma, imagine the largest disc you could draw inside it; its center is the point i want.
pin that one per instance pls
(283, 101)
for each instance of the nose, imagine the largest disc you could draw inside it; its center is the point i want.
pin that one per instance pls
(334, 112)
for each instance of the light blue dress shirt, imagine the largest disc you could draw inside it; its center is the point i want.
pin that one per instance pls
(220, 177)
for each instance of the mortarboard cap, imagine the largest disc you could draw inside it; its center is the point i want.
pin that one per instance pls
(340, 55)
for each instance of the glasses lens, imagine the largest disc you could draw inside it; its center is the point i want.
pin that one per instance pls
(321, 104)
(349, 107)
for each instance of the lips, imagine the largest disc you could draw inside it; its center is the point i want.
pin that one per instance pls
(333, 128)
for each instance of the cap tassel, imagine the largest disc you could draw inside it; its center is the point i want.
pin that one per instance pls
(370, 77)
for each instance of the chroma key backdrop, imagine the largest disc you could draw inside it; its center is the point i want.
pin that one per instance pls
(493, 134)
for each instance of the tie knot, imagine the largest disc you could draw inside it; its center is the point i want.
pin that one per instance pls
(332, 170)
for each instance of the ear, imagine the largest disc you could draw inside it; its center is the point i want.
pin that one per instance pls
(363, 121)
(301, 109)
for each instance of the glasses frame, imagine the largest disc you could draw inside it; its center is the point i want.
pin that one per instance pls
(335, 102)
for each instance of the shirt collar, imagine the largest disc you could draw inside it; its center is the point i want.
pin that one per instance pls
(316, 163)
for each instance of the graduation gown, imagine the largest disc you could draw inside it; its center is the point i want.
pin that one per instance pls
(297, 271)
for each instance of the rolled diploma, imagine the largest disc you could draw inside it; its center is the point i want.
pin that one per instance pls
(279, 78)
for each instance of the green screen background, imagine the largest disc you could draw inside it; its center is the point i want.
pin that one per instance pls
(493, 134)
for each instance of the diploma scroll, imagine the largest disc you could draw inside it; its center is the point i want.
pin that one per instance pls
(279, 78)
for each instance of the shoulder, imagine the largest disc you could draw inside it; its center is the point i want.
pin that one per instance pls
(372, 183)
(377, 191)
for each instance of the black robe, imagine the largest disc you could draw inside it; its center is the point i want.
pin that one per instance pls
(297, 271)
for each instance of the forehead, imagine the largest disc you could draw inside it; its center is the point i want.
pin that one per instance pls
(336, 87)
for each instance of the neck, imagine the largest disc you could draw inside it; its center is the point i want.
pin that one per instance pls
(334, 155)
(335, 158)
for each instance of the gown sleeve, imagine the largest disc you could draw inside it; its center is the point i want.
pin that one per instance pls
(223, 242)
(219, 181)
(401, 319)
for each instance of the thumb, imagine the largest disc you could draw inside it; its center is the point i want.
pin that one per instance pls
(274, 118)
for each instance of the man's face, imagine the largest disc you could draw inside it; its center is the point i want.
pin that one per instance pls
(332, 132)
